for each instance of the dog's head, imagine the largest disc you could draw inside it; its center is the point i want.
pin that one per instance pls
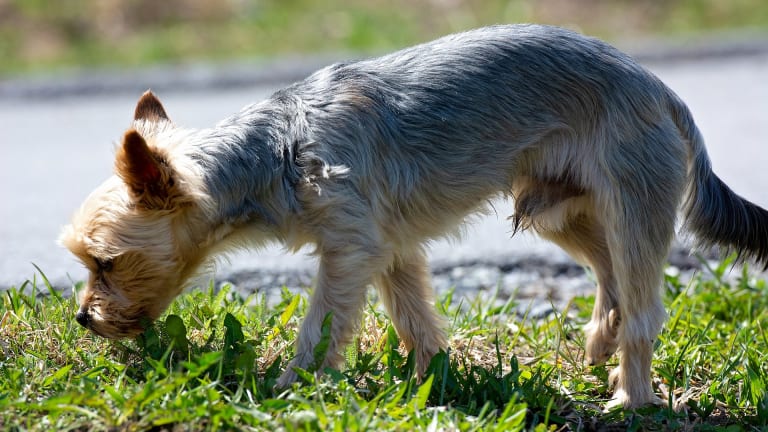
(133, 232)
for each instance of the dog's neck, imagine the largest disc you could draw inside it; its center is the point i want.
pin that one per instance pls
(246, 169)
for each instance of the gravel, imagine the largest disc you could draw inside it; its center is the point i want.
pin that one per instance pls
(538, 286)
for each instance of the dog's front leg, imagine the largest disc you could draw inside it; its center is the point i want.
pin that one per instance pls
(343, 276)
(406, 291)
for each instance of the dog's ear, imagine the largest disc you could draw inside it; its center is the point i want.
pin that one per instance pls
(144, 171)
(150, 108)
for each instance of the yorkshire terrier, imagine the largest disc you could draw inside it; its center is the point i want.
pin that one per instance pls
(371, 160)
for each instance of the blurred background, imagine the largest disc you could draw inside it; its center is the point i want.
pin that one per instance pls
(39, 36)
(72, 70)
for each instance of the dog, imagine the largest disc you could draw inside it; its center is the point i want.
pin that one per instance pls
(371, 160)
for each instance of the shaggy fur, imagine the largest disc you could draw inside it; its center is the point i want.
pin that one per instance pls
(371, 160)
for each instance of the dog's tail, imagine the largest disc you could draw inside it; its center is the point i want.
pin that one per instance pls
(715, 214)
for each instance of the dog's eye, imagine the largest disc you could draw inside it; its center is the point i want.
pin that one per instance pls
(104, 264)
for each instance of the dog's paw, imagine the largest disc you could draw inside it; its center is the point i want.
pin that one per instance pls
(622, 399)
(625, 399)
(423, 359)
(302, 359)
(599, 348)
(601, 338)
(286, 379)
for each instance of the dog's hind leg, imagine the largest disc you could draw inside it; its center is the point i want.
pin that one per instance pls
(583, 237)
(565, 214)
(407, 294)
(638, 250)
(639, 213)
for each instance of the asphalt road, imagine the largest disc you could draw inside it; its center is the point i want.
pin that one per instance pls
(54, 151)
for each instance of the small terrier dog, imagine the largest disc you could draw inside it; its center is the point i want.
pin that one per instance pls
(371, 160)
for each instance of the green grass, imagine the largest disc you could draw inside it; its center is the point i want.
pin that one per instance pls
(211, 362)
(38, 36)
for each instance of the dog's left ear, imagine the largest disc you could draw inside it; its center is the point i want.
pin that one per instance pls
(150, 108)
(144, 171)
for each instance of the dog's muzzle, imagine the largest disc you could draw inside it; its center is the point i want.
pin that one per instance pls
(83, 318)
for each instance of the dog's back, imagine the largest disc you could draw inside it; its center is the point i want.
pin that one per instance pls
(444, 126)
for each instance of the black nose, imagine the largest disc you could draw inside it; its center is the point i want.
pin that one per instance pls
(83, 318)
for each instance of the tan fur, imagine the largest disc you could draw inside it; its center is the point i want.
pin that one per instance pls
(135, 222)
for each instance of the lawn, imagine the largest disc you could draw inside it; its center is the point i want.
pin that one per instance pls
(211, 362)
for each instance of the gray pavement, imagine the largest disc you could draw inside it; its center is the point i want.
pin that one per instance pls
(55, 148)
